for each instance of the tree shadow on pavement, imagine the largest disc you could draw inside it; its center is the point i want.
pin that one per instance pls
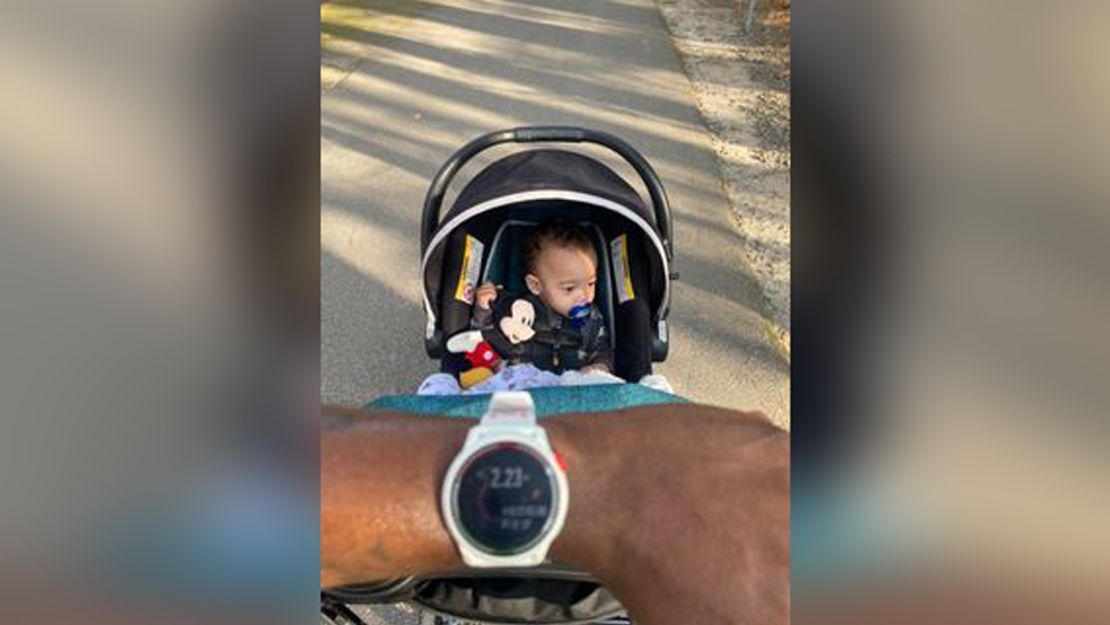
(370, 343)
(458, 71)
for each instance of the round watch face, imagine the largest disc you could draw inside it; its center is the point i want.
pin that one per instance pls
(505, 498)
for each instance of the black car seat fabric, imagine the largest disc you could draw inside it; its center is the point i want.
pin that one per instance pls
(632, 317)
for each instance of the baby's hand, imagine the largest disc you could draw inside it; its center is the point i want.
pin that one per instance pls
(595, 368)
(485, 295)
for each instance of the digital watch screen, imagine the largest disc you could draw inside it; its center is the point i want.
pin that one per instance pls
(505, 499)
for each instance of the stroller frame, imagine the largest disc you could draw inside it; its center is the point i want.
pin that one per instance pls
(334, 608)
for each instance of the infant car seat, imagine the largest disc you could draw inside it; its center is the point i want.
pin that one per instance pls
(478, 238)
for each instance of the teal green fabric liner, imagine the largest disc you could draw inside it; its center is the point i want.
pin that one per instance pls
(549, 401)
(508, 271)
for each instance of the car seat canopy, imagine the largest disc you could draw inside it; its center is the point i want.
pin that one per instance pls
(547, 170)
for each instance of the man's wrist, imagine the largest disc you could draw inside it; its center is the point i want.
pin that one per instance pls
(592, 518)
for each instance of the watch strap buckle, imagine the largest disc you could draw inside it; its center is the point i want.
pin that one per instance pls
(510, 408)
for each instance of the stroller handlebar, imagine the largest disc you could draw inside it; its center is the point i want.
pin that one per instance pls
(560, 134)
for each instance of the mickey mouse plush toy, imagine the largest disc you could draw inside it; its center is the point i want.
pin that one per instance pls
(475, 355)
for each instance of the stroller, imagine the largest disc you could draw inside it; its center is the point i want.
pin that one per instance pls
(476, 241)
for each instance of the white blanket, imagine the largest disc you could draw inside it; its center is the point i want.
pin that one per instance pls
(527, 376)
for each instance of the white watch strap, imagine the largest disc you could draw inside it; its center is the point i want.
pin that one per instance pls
(510, 408)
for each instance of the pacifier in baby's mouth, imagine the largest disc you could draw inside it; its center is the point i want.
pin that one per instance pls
(579, 313)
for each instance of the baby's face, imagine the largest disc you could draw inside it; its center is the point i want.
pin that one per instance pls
(564, 277)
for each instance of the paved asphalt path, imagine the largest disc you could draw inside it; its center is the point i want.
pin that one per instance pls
(408, 86)
(404, 89)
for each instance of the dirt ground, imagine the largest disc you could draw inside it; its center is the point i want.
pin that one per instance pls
(741, 82)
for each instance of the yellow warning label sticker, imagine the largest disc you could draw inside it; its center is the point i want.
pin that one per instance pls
(618, 252)
(470, 271)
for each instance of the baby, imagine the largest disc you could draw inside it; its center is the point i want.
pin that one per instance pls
(561, 270)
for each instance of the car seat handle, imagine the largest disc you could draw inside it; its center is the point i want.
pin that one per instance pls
(559, 134)
(567, 134)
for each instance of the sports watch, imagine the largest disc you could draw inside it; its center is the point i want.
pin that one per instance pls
(504, 498)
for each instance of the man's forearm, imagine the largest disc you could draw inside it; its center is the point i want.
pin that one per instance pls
(380, 481)
(681, 510)
(379, 487)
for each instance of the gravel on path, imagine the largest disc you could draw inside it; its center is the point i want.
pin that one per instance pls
(741, 82)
